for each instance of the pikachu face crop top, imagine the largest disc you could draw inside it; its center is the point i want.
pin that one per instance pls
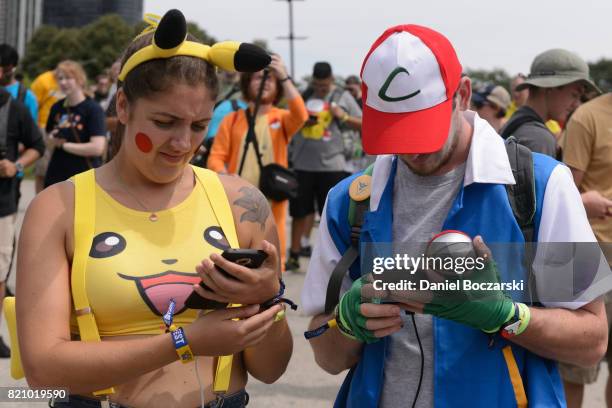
(135, 266)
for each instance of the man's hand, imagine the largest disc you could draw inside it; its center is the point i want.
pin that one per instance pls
(338, 112)
(364, 321)
(278, 67)
(596, 205)
(485, 310)
(7, 169)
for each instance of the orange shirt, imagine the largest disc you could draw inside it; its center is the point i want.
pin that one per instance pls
(282, 124)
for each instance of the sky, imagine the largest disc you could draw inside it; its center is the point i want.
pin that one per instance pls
(486, 34)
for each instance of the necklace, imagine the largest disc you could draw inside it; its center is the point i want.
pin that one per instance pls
(153, 216)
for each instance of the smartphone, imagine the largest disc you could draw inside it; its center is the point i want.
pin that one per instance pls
(250, 258)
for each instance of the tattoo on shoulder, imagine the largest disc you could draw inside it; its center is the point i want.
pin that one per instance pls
(256, 205)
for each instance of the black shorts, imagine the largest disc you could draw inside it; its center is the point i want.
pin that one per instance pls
(313, 185)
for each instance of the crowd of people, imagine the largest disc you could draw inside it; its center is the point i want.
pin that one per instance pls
(156, 166)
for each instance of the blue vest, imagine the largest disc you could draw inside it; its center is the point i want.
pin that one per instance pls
(466, 371)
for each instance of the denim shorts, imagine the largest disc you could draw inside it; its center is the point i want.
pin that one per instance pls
(239, 399)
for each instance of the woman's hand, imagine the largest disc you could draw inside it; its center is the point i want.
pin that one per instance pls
(56, 142)
(240, 284)
(218, 334)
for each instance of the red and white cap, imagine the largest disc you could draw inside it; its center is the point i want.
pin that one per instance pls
(409, 78)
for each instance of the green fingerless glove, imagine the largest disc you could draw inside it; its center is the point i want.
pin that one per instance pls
(485, 310)
(349, 319)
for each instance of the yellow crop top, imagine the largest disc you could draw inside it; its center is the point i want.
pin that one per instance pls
(135, 266)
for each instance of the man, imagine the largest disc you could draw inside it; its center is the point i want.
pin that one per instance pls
(102, 89)
(273, 130)
(519, 97)
(320, 151)
(16, 126)
(557, 81)
(9, 58)
(491, 103)
(353, 85)
(587, 150)
(447, 169)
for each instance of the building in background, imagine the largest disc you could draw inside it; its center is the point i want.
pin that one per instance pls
(77, 13)
(18, 21)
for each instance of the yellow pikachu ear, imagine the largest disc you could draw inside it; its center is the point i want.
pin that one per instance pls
(241, 57)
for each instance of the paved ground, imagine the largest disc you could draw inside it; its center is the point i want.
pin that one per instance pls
(304, 384)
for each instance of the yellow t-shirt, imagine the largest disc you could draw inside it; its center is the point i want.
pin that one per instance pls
(47, 92)
(587, 146)
(554, 127)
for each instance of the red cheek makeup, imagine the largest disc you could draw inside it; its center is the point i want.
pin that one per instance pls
(143, 142)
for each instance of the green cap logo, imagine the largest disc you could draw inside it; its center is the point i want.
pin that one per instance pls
(382, 93)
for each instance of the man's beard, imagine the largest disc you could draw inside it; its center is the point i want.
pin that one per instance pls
(267, 99)
(444, 157)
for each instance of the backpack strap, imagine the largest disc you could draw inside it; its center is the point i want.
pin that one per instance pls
(516, 122)
(522, 198)
(522, 195)
(359, 204)
(84, 225)
(4, 116)
(219, 202)
(21, 92)
(235, 106)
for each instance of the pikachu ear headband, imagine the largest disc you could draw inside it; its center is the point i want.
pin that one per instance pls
(170, 40)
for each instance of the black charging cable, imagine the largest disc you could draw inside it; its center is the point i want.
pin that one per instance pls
(416, 332)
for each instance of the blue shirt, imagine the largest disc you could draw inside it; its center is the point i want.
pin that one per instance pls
(219, 113)
(29, 101)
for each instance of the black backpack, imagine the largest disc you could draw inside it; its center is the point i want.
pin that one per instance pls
(522, 200)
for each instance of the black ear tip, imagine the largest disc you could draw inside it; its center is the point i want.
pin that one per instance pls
(171, 30)
(251, 58)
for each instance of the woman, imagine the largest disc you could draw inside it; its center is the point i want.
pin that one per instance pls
(75, 127)
(155, 218)
(274, 128)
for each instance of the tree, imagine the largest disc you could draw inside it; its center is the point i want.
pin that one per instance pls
(496, 76)
(103, 42)
(96, 46)
(601, 72)
(39, 56)
(192, 28)
(200, 33)
(263, 43)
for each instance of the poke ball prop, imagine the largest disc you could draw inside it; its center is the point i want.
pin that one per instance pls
(449, 244)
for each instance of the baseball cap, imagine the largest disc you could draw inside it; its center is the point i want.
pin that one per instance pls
(409, 78)
(352, 80)
(558, 67)
(495, 94)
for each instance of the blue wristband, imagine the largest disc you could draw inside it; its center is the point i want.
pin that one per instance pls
(180, 344)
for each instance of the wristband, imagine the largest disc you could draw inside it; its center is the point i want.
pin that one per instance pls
(344, 118)
(279, 299)
(177, 334)
(518, 322)
(343, 326)
(183, 350)
(287, 78)
(19, 168)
